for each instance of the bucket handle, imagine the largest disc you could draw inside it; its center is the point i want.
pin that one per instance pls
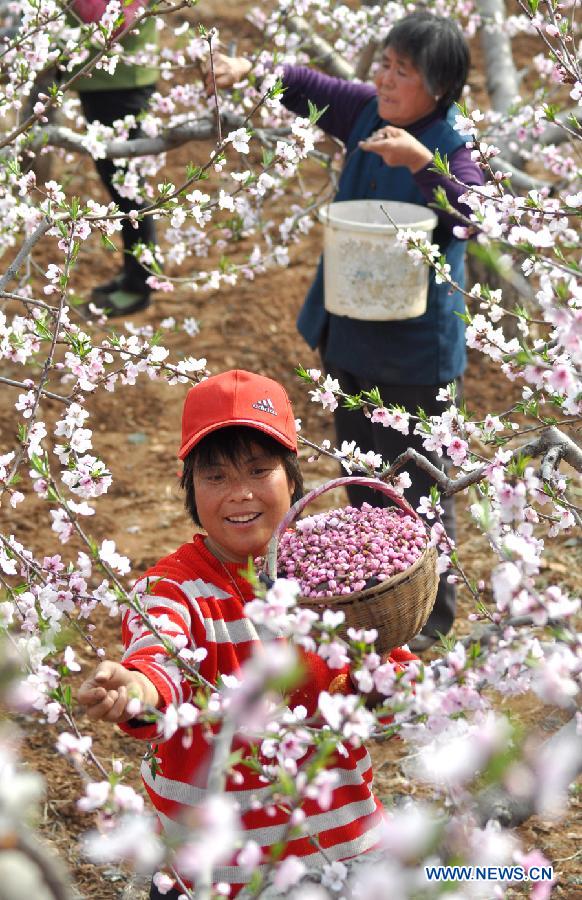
(300, 505)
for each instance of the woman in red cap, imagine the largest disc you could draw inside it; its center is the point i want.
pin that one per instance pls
(241, 474)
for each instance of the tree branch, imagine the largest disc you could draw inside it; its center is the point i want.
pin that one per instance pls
(520, 180)
(552, 444)
(366, 59)
(501, 74)
(560, 131)
(320, 51)
(203, 129)
(24, 251)
(60, 136)
(500, 71)
(50, 868)
(45, 393)
(496, 803)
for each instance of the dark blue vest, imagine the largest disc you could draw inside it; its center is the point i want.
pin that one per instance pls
(429, 349)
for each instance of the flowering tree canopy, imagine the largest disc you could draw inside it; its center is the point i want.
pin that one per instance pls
(220, 221)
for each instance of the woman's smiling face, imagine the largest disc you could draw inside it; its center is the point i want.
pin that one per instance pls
(402, 94)
(240, 505)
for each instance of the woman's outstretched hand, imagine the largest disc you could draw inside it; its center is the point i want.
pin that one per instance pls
(107, 693)
(228, 70)
(398, 148)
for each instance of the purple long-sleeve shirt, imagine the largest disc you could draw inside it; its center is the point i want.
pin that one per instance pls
(345, 100)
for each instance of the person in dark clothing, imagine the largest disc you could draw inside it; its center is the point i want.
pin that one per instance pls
(106, 98)
(391, 131)
(130, 284)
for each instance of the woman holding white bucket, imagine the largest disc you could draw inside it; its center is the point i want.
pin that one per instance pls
(391, 131)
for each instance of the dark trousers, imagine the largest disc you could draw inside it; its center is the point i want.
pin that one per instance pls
(355, 426)
(106, 107)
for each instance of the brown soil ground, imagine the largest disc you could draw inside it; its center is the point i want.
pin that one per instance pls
(137, 432)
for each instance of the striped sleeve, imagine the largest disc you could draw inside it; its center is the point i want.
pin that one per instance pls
(168, 619)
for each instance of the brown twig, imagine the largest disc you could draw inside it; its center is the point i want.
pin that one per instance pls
(43, 391)
(209, 37)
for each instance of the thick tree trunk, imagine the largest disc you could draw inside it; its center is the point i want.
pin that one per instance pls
(500, 71)
(320, 51)
(498, 805)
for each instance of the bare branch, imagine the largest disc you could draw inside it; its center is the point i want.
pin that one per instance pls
(550, 462)
(60, 136)
(366, 59)
(563, 130)
(571, 452)
(23, 253)
(320, 51)
(210, 35)
(28, 301)
(549, 439)
(45, 393)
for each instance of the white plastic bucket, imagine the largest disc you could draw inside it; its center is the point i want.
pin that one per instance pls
(368, 274)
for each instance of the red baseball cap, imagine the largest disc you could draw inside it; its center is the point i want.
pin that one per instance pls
(237, 398)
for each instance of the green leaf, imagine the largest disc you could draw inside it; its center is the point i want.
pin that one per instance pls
(224, 264)
(304, 374)
(276, 91)
(254, 885)
(39, 464)
(475, 651)
(277, 850)
(235, 758)
(373, 396)
(285, 783)
(194, 173)
(315, 114)
(353, 402)
(249, 573)
(107, 243)
(462, 107)
(518, 465)
(550, 111)
(441, 164)
(268, 157)
(441, 201)
(489, 255)
(435, 494)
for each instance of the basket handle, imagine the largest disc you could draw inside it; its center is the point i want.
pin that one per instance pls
(300, 505)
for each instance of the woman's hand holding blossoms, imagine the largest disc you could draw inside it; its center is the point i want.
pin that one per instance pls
(398, 147)
(107, 693)
(228, 70)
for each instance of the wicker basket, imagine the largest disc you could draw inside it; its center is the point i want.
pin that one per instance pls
(398, 607)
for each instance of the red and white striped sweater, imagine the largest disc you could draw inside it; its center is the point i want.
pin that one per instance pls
(189, 594)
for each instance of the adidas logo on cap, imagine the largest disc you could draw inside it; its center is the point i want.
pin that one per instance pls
(265, 406)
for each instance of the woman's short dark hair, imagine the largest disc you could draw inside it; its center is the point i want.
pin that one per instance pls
(233, 444)
(436, 47)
